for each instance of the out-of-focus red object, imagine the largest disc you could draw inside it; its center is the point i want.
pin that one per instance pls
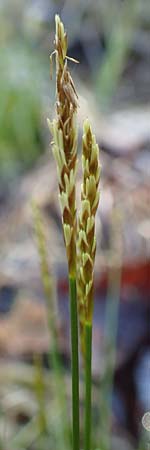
(135, 275)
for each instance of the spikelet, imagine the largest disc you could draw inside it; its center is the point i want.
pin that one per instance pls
(64, 144)
(86, 226)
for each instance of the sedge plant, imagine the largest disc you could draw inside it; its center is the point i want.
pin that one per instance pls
(86, 258)
(79, 233)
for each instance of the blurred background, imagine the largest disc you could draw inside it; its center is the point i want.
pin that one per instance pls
(110, 38)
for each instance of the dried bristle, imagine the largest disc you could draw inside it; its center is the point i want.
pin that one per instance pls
(64, 145)
(86, 225)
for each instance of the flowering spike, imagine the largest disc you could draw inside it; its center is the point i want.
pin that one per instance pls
(64, 145)
(86, 226)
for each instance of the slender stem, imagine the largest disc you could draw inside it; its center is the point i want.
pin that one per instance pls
(75, 363)
(53, 353)
(88, 385)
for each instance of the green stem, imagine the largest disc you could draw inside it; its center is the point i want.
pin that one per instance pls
(50, 295)
(88, 384)
(75, 363)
